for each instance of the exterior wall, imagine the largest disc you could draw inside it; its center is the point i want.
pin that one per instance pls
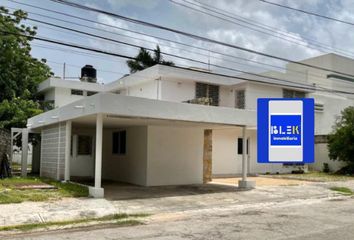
(255, 91)
(227, 97)
(175, 155)
(145, 90)
(177, 91)
(130, 167)
(63, 97)
(53, 151)
(321, 157)
(226, 161)
(333, 105)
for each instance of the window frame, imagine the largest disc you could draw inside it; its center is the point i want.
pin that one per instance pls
(121, 146)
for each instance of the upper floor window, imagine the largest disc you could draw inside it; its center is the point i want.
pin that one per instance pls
(77, 92)
(287, 93)
(89, 93)
(209, 91)
(240, 99)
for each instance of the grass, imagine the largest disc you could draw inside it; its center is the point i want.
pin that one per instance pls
(343, 190)
(316, 177)
(119, 219)
(9, 192)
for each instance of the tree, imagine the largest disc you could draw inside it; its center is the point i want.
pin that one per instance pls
(20, 73)
(341, 141)
(144, 60)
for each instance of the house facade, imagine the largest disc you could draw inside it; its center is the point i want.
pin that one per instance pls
(168, 125)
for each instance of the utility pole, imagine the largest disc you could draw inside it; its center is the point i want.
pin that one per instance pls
(64, 71)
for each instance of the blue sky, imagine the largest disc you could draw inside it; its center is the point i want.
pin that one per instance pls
(164, 12)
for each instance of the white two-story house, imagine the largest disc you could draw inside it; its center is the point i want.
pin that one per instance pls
(168, 125)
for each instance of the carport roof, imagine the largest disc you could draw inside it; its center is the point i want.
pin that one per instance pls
(119, 106)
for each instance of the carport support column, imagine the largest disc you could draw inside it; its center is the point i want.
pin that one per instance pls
(67, 150)
(97, 191)
(244, 184)
(24, 155)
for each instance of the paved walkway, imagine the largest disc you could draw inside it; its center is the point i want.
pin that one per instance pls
(162, 200)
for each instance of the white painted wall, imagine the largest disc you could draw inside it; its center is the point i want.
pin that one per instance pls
(175, 155)
(63, 97)
(226, 161)
(177, 91)
(130, 167)
(321, 157)
(255, 91)
(145, 90)
(226, 97)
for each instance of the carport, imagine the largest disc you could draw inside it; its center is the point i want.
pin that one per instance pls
(166, 142)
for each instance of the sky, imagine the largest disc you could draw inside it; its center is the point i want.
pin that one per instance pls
(284, 33)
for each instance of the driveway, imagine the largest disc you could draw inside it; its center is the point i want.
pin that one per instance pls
(198, 210)
(301, 215)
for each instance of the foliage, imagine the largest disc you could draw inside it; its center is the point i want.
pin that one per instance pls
(326, 168)
(144, 59)
(341, 141)
(343, 190)
(17, 111)
(20, 73)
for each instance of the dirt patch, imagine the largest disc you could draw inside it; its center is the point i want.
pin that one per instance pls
(261, 181)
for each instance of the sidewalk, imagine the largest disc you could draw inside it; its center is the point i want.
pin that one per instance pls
(76, 208)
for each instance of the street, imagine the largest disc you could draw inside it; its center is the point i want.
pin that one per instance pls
(312, 218)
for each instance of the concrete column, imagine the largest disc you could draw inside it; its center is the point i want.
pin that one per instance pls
(67, 150)
(24, 156)
(245, 184)
(244, 155)
(97, 191)
(207, 155)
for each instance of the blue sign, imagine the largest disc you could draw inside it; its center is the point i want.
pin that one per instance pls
(285, 130)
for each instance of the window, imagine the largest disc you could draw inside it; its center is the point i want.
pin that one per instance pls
(84, 145)
(119, 142)
(319, 107)
(293, 94)
(91, 93)
(77, 92)
(203, 90)
(240, 146)
(240, 99)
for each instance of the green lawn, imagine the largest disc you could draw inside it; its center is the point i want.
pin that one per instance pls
(9, 192)
(343, 190)
(316, 177)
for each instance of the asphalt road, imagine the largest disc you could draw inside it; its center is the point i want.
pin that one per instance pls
(303, 219)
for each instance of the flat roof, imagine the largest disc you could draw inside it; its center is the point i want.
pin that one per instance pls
(117, 105)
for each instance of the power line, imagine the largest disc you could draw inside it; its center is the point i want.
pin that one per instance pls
(308, 12)
(152, 25)
(264, 26)
(307, 87)
(160, 38)
(168, 54)
(140, 33)
(286, 38)
(318, 76)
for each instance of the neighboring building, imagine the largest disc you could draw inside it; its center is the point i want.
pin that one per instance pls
(152, 136)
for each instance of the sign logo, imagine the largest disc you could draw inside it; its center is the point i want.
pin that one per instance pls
(285, 130)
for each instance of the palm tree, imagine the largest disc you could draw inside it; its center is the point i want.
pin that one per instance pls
(144, 60)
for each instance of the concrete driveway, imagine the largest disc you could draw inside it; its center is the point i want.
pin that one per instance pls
(309, 211)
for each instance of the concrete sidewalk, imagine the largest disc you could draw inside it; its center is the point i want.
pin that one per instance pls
(190, 200)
